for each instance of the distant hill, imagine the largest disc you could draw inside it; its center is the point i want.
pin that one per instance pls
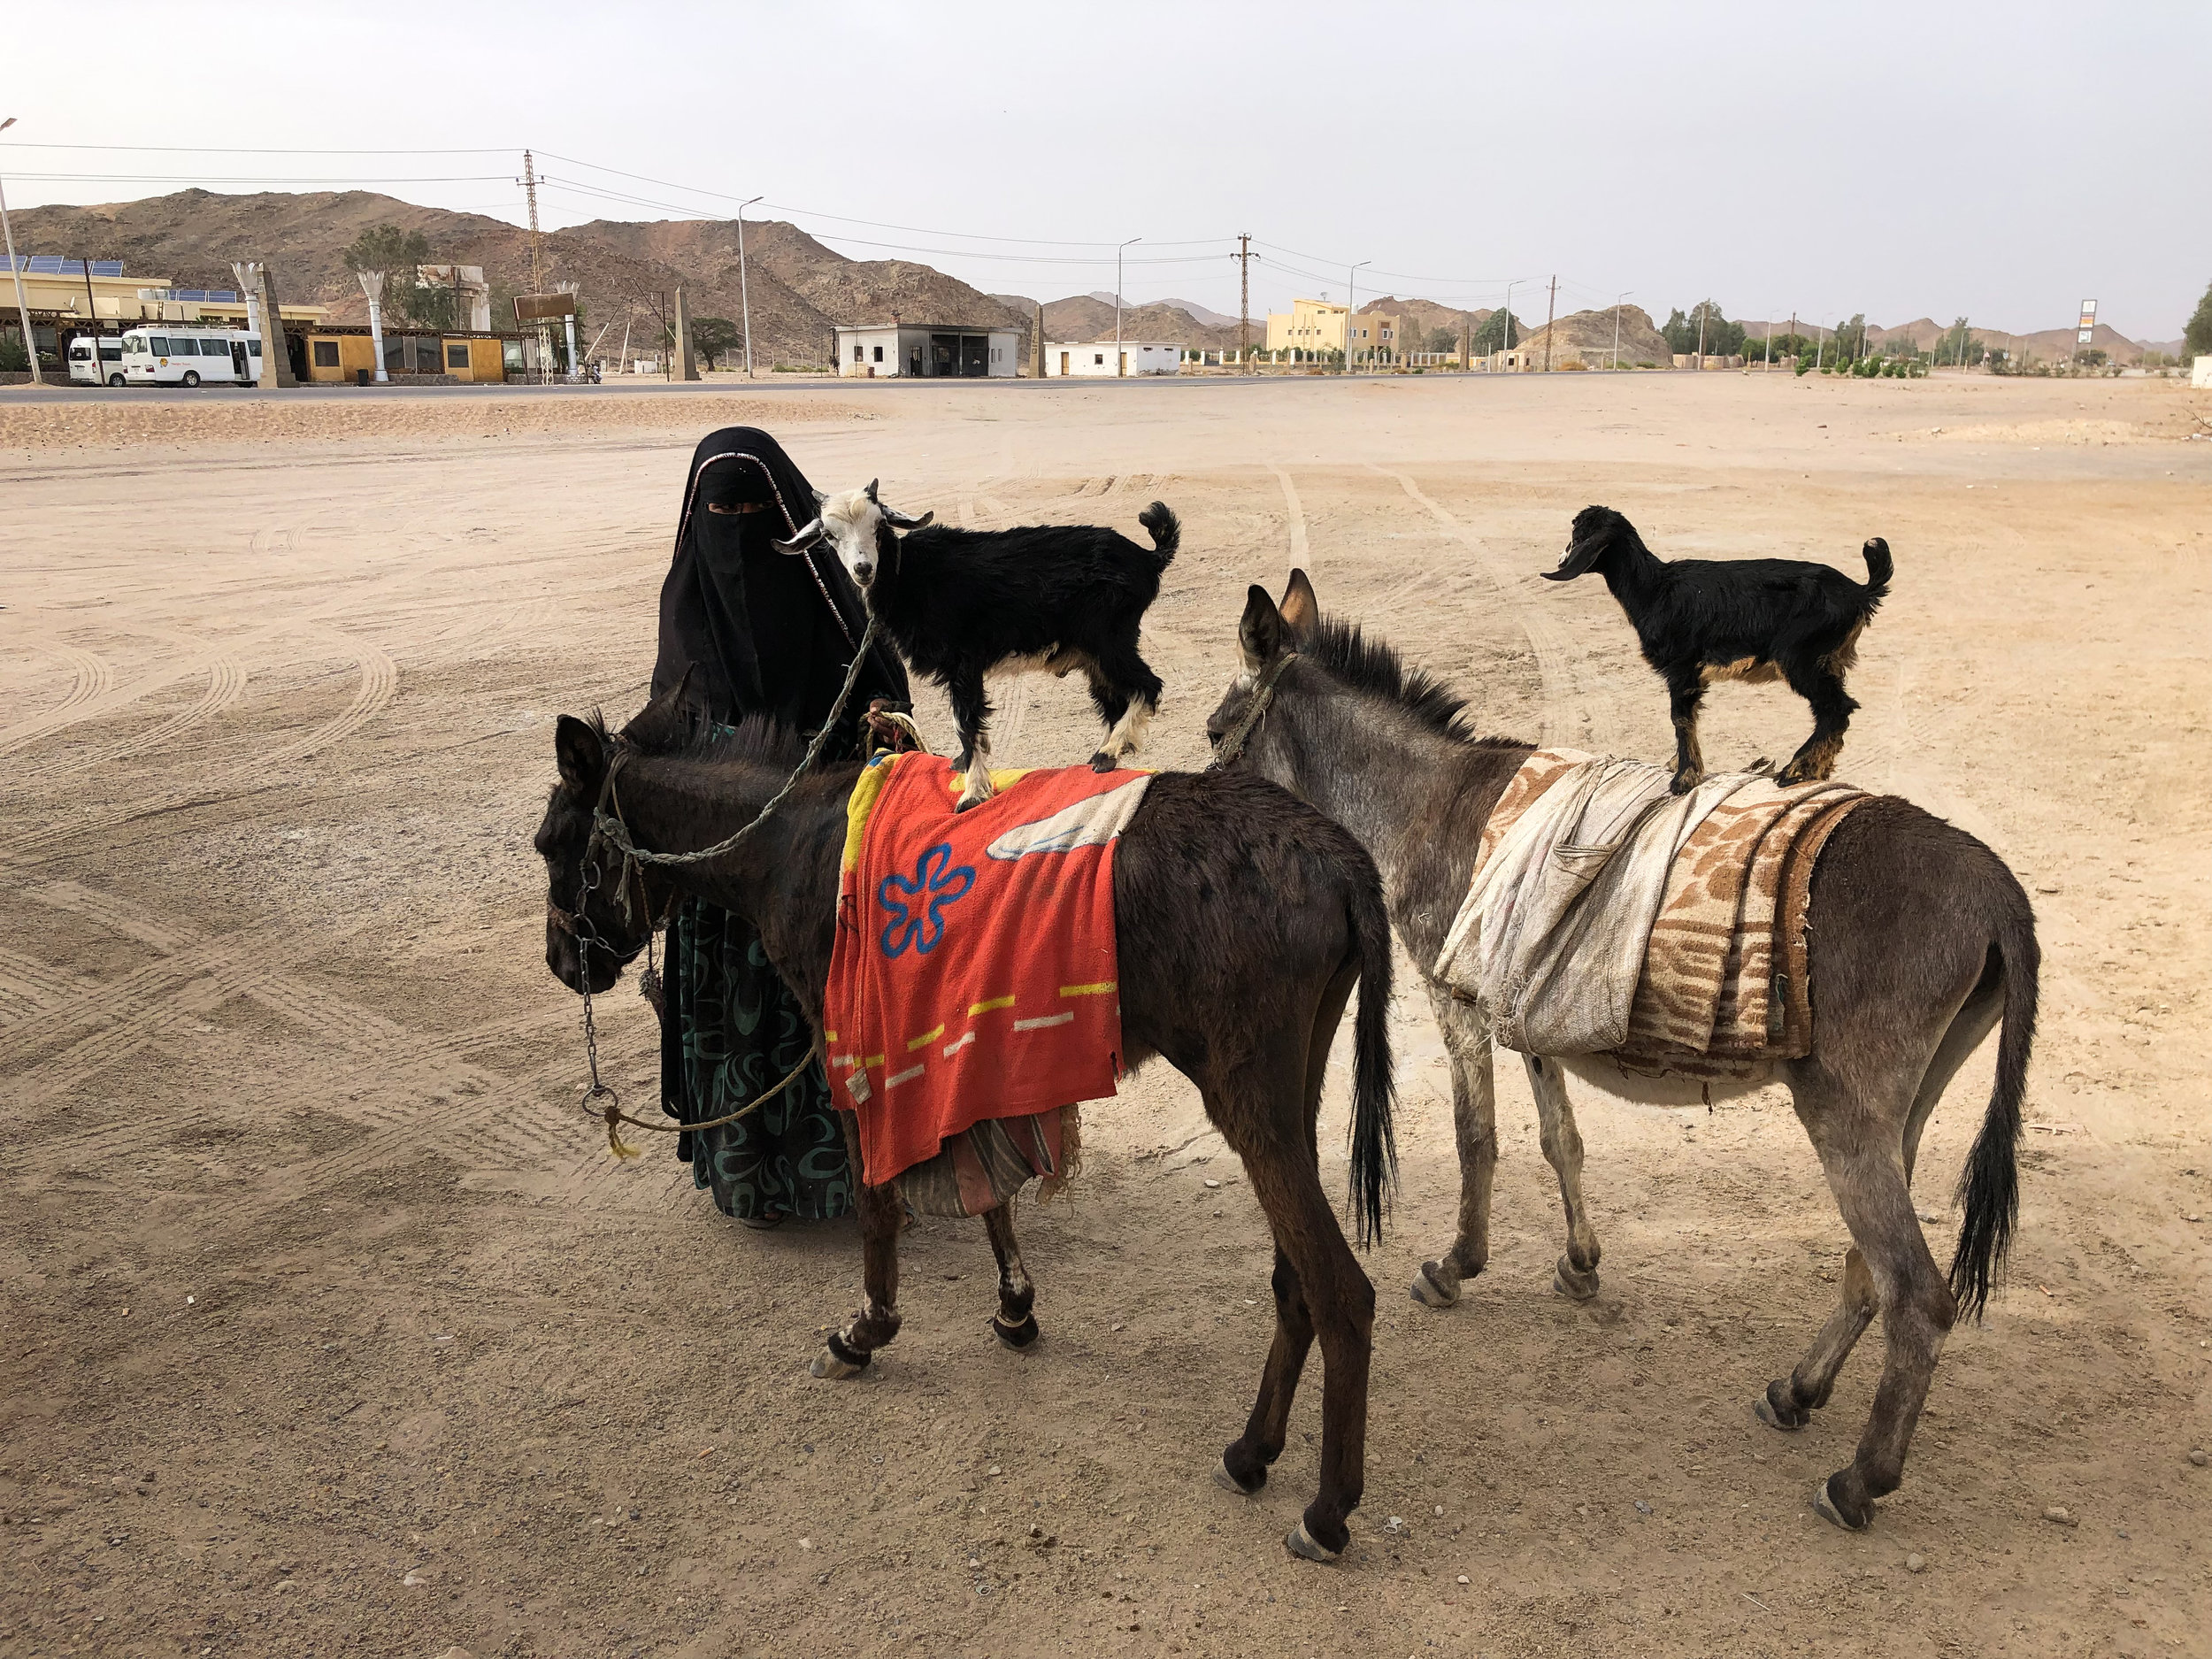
(1586, 337)
(1087, 317)
(625, 271)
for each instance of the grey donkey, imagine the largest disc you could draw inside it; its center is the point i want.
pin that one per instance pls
(1921, 943)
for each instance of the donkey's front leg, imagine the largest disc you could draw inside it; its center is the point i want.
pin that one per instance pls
(1576, 1277)
(1013, 1323)
(1466, 1030)
(848, 1351)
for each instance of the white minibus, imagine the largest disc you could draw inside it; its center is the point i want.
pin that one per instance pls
(176, 355)
(96, 360)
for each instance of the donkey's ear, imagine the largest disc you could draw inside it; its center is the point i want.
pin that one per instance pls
(581, 755)
(1260, 635)
(1301, 609)
(661, 724)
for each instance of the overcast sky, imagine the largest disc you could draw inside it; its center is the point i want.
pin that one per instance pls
(2000, 161)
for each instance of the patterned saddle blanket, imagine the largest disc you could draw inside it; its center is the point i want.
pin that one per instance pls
(1607, 915)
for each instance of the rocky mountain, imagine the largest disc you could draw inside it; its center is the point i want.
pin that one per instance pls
(626, 273)
(1586, 337)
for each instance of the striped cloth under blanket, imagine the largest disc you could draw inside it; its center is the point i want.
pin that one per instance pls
(973, 987)
(1606, 916)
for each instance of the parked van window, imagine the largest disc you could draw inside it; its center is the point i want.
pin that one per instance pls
(184, 346)
(160, 345)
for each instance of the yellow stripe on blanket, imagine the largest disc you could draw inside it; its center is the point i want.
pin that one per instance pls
(988, 1004)
(1100, 990)
(925, 1038)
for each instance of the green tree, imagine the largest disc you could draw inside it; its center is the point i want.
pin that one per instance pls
(2196, 339)
(1490, 334)
(1723, 338)
(1442, 339)
(397, 253)
(713, 337)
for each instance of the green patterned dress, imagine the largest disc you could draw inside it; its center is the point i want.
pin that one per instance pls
(740, 1032)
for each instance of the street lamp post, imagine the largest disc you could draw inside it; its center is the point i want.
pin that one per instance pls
(744, 294)
(1121, 362)
(1351, 307)
(22, 306)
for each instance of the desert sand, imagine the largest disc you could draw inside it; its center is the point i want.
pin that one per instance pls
(330, 1325)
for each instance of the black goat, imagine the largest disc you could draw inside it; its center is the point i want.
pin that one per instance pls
(961, 604)
(1700, 620)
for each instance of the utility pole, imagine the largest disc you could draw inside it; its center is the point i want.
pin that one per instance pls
(22, 306)
(1121, 360)
(537, 262)
(1509, 316)
(1243, 257)
(1770, 368)
(1617, 329)
(1551, 310)
(1701, 334)
(1351, 308)
(744, 294)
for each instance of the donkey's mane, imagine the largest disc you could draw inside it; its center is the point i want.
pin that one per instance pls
(1376, 666)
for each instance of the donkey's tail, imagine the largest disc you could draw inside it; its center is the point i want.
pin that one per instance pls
(1879, 569)
(1374, 1142)
(1989, 1186)
(1166, 528)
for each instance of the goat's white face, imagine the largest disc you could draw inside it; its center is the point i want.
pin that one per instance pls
(852, 522)
(848, 521)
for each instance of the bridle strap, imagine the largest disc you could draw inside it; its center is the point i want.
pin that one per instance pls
(1255, 711)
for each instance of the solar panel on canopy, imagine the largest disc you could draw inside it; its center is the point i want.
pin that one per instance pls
(54, 265)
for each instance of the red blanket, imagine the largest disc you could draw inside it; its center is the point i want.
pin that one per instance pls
(975, 974)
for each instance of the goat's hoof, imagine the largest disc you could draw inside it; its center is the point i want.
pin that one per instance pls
(1685, 780)
(829, 1364)
(1572, 1282)
(1228, 1482)
(1431, 1291)
(1103, 762)
(1776, 1411)
(1302, 1543)
(1824, 1503)
(1015, 1336)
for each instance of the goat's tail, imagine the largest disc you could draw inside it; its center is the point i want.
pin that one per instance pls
(1879, 570)
(1989, 1186)
(1374, 1090)
(1166, 528)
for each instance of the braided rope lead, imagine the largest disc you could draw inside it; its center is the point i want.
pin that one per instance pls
(1255, 711)
(617, 835)
(615, 1116)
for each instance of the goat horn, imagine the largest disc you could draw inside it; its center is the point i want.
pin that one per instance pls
(871, 490)
(809, 533)
(907, 520)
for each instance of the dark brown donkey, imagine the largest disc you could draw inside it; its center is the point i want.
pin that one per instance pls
(1243, 917)
(1921, 941)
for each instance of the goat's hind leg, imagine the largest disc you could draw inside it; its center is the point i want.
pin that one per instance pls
(1127, 693)
(848, 1351)
(972, 714)
(1823, 688)
(1014, 1324)
(1466, 1030)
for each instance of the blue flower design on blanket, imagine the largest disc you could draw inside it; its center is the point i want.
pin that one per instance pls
(916, 906)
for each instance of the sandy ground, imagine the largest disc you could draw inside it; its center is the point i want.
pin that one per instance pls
(327, 1327)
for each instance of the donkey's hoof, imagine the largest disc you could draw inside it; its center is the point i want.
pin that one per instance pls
(1103, 762)
(1300, 1542)
(1015, 1336)
(1573, 1283)
(1228, 1482)
(1781, 1413)
(1826, 1506)
(1431, 1291)
(829, 1364)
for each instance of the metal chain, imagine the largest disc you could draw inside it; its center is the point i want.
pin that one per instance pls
(610, 826)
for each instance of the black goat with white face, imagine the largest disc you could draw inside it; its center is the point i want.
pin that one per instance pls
(962, 603)
(1701, 620)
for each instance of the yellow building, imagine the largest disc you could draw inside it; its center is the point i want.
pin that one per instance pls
(340, 356)
(1319, 326)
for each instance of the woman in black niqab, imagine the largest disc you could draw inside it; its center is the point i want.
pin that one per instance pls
(768, 633)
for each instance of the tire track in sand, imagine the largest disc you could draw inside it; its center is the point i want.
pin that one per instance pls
(90, 679)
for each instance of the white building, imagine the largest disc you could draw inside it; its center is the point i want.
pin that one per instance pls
(895, 350)
(1096, 357)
